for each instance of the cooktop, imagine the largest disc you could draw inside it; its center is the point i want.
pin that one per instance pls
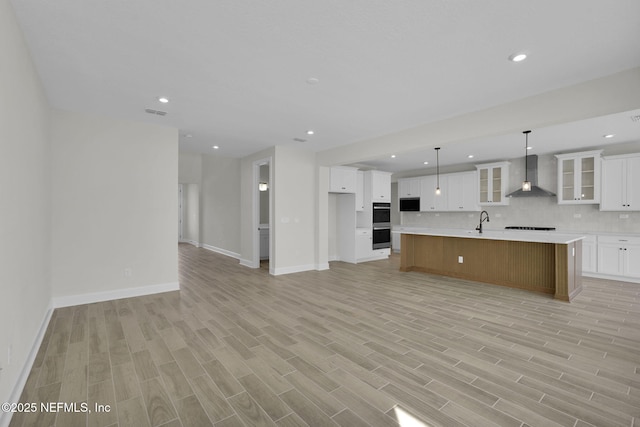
(524, 227)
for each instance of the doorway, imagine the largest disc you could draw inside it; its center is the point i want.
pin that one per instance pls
(262, 239)
(189, 213)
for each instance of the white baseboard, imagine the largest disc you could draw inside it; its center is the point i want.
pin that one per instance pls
(220, 251)
(292, 269)
(611, 277)
(71, 300)
(248, 263)
(322, 266)
(5, 417)
(191, 242)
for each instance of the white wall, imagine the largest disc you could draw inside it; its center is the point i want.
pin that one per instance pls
(25, 227)
(189, 168)
(611, 94)
(220, 204)
(114, 207)
(294, 217)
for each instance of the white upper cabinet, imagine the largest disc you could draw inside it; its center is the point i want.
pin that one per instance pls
(342, 179)
(579, 177)
(380, 186)
(493, 181)
(458, 193)
(429, 200)
(462, 192)
(409, 187)
(621, 183)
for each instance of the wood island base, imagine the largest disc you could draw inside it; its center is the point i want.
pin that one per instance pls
(551, 268)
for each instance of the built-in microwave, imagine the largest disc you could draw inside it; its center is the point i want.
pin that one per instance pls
(410, 204)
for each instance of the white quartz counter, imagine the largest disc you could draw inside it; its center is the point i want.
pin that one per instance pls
(515, 235)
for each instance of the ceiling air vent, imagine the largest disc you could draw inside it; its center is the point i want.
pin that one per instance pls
(635, 118)
(159, 113)
(299, 140)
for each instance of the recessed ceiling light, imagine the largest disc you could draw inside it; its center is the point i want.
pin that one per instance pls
(529, 148)
(470, 156)
(425, 163)
(518, 57)
(310, 132)
(609, 135)
(215, 147)
(393, 156)
(163, 99)
(188, 135)
(312, 80)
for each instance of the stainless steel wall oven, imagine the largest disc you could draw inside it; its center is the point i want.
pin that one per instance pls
(381, 225)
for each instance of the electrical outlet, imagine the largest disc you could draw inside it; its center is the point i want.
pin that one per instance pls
(460, 260)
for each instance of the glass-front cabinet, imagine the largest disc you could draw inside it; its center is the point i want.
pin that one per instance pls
(492, 183)
(579, 177)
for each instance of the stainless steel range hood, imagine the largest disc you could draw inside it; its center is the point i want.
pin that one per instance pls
(532, 175)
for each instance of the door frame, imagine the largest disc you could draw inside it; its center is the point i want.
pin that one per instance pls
(256, 213)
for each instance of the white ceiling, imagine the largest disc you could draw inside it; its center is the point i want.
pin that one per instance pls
(567, 137)
(236, 72)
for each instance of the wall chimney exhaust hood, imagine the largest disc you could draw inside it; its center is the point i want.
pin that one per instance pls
(532, 175)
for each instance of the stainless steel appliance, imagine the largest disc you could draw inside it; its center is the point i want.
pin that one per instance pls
(410, 204)
(381, 225)
(381, 237)
(381, 213)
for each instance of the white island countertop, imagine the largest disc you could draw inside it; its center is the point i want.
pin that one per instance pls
(514, 235)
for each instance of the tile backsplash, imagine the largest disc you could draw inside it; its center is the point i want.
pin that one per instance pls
(534, 211)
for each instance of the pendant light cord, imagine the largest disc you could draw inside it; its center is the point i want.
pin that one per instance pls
(438, 166)
(526, 163)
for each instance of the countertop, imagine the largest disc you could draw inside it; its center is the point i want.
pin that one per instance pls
(514, 235)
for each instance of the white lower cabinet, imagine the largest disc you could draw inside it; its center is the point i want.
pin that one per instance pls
(364, 243)
(619, 256)
(364, 247)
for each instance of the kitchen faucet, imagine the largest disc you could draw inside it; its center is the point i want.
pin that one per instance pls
(486, 218)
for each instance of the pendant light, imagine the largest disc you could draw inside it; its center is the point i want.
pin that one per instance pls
(438, 171)
(526, 185)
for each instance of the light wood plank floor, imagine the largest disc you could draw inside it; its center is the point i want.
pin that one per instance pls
(356, 345)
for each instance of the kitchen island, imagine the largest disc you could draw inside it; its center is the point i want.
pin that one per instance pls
(547, 262)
